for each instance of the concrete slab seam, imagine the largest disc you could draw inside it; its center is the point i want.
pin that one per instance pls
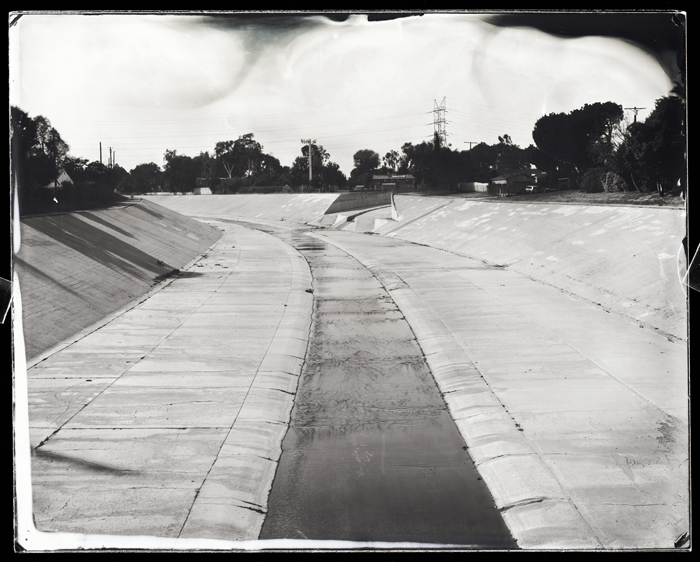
(155, 345)
(256, 520)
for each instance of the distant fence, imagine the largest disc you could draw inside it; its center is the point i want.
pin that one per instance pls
(471, 186)
(506, 189)
(266, 189)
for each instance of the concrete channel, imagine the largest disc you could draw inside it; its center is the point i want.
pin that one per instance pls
(305, 381)
(372, 453)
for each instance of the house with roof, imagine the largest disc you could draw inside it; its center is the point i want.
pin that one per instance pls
(392, 182)
(58, 182)
(513, 182)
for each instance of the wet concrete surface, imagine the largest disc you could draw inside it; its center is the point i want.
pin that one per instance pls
(372, 453)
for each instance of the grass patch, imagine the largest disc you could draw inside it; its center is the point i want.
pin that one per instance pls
(574, 197)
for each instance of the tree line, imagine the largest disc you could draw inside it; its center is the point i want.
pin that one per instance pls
(594, 147)
(234, 166)
(604, 152)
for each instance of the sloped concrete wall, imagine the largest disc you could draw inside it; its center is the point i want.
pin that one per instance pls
(357, 201)
(76, 268)
(296, 207)
(623, 258)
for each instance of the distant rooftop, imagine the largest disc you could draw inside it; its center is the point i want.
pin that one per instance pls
(393, 177)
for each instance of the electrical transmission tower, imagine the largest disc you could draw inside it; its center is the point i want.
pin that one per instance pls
(439, 129)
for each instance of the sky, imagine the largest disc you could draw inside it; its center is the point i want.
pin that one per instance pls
(143, 84)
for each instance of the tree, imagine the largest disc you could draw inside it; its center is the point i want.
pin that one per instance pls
(325, 172)
(484, 162)
(653, 154)
(366, 160)
(75, 167)
(510, 156)
(541, 160)
(418, 160)
(333, 176)
(240, 157)
(180, 172)
(39, 151)
(251, 151)
(49, 149)
(582, 138)
(24, 138)
(269, 165)
(391, 160)
(319, 156)
(299, 173)
(145, 178)
(505, 139)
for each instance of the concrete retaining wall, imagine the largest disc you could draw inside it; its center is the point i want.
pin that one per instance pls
(296, 207)
(76, 268)
(357, 201)
(623, 258)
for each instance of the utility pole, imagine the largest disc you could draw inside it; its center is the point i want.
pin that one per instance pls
(636, 110)
(100, 152)
(470, 143)
(310, 142)
(439, 130)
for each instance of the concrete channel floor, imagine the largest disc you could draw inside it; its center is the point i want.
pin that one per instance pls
(167, 421)
(372, 453)
(576, 418)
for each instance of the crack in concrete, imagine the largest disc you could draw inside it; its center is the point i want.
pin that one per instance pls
(253, 509)
(524, 502)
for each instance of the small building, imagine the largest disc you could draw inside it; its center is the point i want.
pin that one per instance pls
(202, 191)
(392, 182)
(513, 182)
(58, 182)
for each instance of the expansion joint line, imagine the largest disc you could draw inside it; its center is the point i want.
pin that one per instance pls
(137, 362)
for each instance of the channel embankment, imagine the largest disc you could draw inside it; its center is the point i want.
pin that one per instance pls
(295, 207)
(623, 259)
(77, 268)
(627, 260)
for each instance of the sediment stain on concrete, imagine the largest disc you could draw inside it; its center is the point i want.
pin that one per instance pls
(372, 453)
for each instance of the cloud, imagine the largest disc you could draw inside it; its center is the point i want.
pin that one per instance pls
(130, 60)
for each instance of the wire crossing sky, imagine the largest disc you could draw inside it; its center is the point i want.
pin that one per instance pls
(142, 84)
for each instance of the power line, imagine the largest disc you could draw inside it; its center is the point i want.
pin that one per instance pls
(271, 115)
(636, 110)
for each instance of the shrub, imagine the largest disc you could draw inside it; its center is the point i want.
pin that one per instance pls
(592, 180)
(613, 183)
(226, 185)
